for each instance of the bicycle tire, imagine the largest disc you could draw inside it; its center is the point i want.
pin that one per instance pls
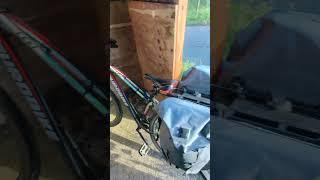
(29, 158)
(118, 110)
(155, 126)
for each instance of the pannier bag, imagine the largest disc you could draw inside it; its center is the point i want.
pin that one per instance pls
(197, 78)
(185, 134)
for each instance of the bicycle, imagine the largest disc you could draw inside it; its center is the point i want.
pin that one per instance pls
(50, 55)
(148, 120)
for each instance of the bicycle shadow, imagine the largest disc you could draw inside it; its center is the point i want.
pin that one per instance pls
(123, 154)
(120, 170)
(133, 145)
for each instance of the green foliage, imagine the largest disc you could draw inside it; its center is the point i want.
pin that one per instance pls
(186, 64)
(200, 16)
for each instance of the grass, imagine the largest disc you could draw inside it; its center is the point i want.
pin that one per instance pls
(202, 17)
(241, 15)
(186, 64)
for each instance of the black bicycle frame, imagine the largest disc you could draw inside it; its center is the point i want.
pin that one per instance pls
(114, 72)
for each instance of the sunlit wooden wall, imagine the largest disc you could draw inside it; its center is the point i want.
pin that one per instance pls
(159, 36)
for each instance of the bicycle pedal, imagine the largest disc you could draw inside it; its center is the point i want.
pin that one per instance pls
(144, 150)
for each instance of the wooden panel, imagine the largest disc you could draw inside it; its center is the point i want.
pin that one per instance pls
(119, 12)
(159, 37)
(125, 56)
(181, 15)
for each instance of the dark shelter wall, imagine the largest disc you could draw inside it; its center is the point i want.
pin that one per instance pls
(76, 27)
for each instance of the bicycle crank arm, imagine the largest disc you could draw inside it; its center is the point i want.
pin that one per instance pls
(144, 149)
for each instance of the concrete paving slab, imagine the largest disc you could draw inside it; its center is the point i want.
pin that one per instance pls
(126, 162)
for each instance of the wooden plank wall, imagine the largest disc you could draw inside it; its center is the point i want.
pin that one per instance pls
(125, 56)
(181, 15)
(159, 34)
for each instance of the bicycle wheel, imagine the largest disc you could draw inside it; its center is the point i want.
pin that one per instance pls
(154, 129)
(115, 110)
(16, 143)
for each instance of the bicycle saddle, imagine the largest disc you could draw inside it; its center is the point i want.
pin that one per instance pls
(166, 85)
(162, 82)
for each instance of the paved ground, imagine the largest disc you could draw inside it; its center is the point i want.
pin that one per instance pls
(126, 162)
(197, 44)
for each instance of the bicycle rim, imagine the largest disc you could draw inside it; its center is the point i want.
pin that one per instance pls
(154, 132)
(115, 110)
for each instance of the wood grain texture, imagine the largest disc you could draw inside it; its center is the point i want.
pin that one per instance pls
(125, 56)
(119, 12)
(159, 37)
(181, 15)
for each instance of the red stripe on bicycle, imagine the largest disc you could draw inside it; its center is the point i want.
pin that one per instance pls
(118, 71)
(20, 67)
(35, 33)
(41, 37)
(115, 80)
